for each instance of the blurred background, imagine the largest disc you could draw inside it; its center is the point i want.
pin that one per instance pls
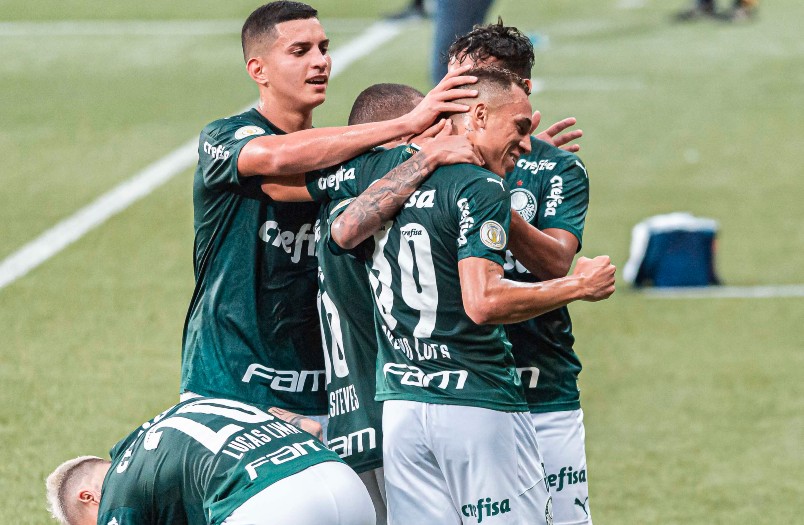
(694, 406)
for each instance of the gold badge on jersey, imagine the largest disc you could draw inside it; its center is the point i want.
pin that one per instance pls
(492, 235)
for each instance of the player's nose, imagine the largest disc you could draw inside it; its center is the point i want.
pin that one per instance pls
(524, 144)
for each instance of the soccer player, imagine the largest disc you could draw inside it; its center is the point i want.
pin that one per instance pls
(211, 461)
(458, 444)
(347, 311)
(550, 193)
(251, 331)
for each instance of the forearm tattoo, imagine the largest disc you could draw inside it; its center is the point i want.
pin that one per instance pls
(289, 417)
(383, 199)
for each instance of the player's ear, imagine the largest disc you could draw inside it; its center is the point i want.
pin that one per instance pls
(480, 114)
(89, 496)
(257, 70)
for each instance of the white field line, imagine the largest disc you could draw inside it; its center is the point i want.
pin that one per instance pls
(586, 84)
(71, 229)
(726, 292)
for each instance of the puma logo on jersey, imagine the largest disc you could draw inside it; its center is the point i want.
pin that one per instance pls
(421, 199)
(582, 504)
(113, 521)
(496, 180)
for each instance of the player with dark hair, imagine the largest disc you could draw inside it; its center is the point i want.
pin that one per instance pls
(550, 193)
(458, 444)
(381, 102)
(252, 331)
(211, 461)
(491, 43)
(347, 312)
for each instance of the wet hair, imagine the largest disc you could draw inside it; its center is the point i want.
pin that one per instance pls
(384, 102)
(262, 23)
(507, 44)
(63, 481)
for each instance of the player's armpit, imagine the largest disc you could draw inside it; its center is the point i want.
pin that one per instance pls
(289, 188)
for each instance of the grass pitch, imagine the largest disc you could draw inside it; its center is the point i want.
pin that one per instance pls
(694, 410)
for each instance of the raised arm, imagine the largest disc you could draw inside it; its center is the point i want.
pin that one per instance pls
(383, 199)
(490, 299)
(312, 149)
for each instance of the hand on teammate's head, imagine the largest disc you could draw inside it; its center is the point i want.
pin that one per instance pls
(442, 99)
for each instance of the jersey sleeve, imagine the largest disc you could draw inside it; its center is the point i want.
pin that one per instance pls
(482, 210)
(219, 147)
(565, 200)
(351, 178)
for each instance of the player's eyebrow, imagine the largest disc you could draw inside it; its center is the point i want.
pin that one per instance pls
(307, 43)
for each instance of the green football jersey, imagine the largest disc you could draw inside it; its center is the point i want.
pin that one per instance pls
(429, 349)
(549, 189)
(252, 331)
(354, 428)
(199, 461)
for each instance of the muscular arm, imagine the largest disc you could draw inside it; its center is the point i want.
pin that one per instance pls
(313, 149)
(490, 299)
(383, 199)
(546, 254)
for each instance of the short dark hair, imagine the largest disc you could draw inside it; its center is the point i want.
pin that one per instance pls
(263, 21)
(384, 102)
(507, 44)
(491, 77)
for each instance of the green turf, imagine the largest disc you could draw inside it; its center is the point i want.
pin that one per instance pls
(693, 407)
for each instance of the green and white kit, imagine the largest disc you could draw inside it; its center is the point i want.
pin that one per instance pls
(550, 189)
(251, 331)
(199, 461)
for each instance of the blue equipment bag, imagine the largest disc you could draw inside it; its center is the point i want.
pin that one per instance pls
(676, 249)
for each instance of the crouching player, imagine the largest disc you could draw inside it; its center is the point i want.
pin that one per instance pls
(211, 461)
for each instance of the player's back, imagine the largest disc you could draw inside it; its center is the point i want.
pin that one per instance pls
(430, 349)
(200, 460)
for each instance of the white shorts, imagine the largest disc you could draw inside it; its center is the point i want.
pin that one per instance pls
(325, 494)
(561, 442)
(450, 464)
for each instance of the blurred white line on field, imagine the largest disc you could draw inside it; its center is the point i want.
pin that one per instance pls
(726, 292)
(143, 183)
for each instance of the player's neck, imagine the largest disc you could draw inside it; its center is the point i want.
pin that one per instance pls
(283, 114)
